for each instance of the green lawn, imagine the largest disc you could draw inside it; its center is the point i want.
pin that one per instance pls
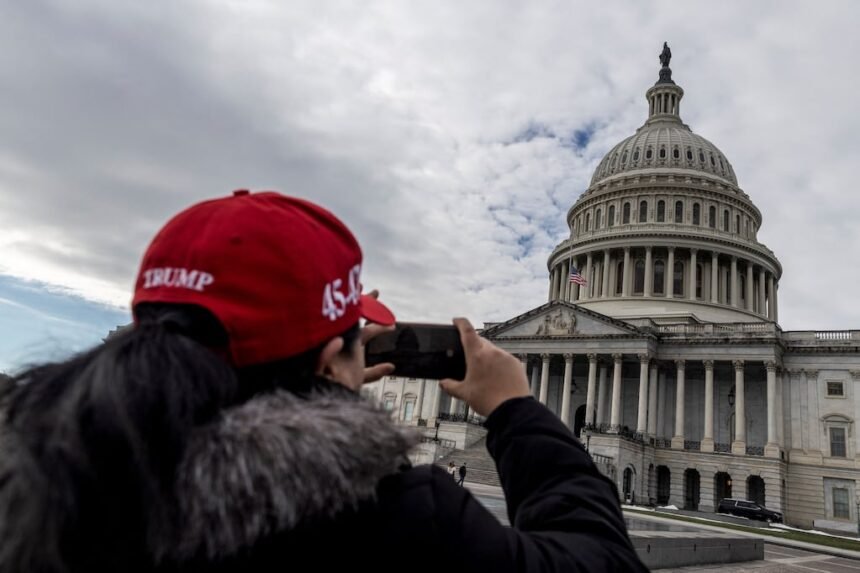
(764, 532)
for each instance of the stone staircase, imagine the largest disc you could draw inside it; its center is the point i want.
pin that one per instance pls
(480, 467)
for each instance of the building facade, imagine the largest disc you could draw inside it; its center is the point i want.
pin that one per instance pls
(669, 362)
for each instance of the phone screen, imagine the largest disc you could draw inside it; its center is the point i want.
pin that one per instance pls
(431, 351)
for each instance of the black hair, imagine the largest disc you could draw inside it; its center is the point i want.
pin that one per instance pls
(96, 439)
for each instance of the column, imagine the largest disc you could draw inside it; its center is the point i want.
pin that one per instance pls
(605, 293)
(678, 438)
(615, 413)
(565, 283)
(762, 302)
(739, 446)
(584, 293)
(419, 404)
(735, 295)
(589, 396)
(544, 378)
(535, 382)
(708, 435)
(625, 287)
(642, 415)
(771, 448)
(692, 274)
(565, 396)
(454, 406)
(750, 285)
(437, 402)
(670, 274)
(652, 401)
(574, 288)
(558, 280)
(551, 284)
(776, 302)
(602, 395)
(715, 277)
(771, 307)
(649, 272)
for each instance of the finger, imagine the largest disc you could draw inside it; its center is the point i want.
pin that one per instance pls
(453, 388)
(370, 331)
(374, 373)
(470, 339)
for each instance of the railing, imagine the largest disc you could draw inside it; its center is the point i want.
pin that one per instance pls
(634, 228)
(692, 445)
(755, 450)
(601, 459)
(662, 443)
(717, 329)
(723, 448)
(822, 336)
(422, 423)
(621, 431)
(473, 419)
(450, 444)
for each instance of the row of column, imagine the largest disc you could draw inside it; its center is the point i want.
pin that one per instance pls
(646, 420)
(766, 297)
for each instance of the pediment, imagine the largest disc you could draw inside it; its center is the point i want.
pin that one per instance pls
(560, 319)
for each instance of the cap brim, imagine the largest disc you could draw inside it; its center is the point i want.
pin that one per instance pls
(375, 311)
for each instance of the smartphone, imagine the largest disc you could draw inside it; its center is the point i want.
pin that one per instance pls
(431, 351)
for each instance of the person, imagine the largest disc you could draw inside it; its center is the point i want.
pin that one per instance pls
(226, 431)
(452, 470)
(462, 474)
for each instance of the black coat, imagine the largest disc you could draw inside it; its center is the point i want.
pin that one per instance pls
(565, 515)
(321, 483)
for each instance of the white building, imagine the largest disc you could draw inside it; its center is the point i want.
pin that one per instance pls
(672, 354)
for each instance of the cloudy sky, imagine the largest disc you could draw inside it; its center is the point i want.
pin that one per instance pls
(451, 136)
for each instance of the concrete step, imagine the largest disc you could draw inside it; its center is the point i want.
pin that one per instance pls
(480, 467)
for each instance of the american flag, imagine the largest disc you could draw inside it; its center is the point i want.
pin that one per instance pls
(577, 278)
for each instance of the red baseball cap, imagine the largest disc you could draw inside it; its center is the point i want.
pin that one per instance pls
(281, 274)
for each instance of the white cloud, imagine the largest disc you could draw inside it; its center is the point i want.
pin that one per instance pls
(404, 119)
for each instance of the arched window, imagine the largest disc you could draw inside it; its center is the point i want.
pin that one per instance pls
(624, 158)
(649, 153)
(712, 217)
(679, 212)
(619, 278)
(643, 211)
(659, 276)
(726, 220)
(610, 220)
(639, 277)
(699, 275)
(598, 219)
(588, 221)
(701, 157)
(689, 154)
(661, 211)
(662, 153)
(738, 224)
(676, 153)
(636, 155)
(625, 214)
(678, 279)
(696, 214)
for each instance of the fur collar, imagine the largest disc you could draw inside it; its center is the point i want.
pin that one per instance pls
(279, 460)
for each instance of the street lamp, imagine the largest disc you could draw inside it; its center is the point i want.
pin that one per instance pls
(587, 439)
(436, 437)
(732, 397)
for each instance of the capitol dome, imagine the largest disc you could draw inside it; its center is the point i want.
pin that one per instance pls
(664, 233)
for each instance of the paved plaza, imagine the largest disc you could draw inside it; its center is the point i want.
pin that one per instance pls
(777, 558)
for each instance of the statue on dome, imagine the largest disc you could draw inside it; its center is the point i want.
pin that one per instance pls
(665, 55)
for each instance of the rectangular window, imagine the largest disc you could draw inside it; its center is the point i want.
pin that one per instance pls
(408, 410)
(841, 510)
(835, 389)
(837, 442)
(389, 404)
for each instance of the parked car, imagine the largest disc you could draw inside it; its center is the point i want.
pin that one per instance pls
(748, 509)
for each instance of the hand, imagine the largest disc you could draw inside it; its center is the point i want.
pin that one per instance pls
(493, 376)
(368, 332)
